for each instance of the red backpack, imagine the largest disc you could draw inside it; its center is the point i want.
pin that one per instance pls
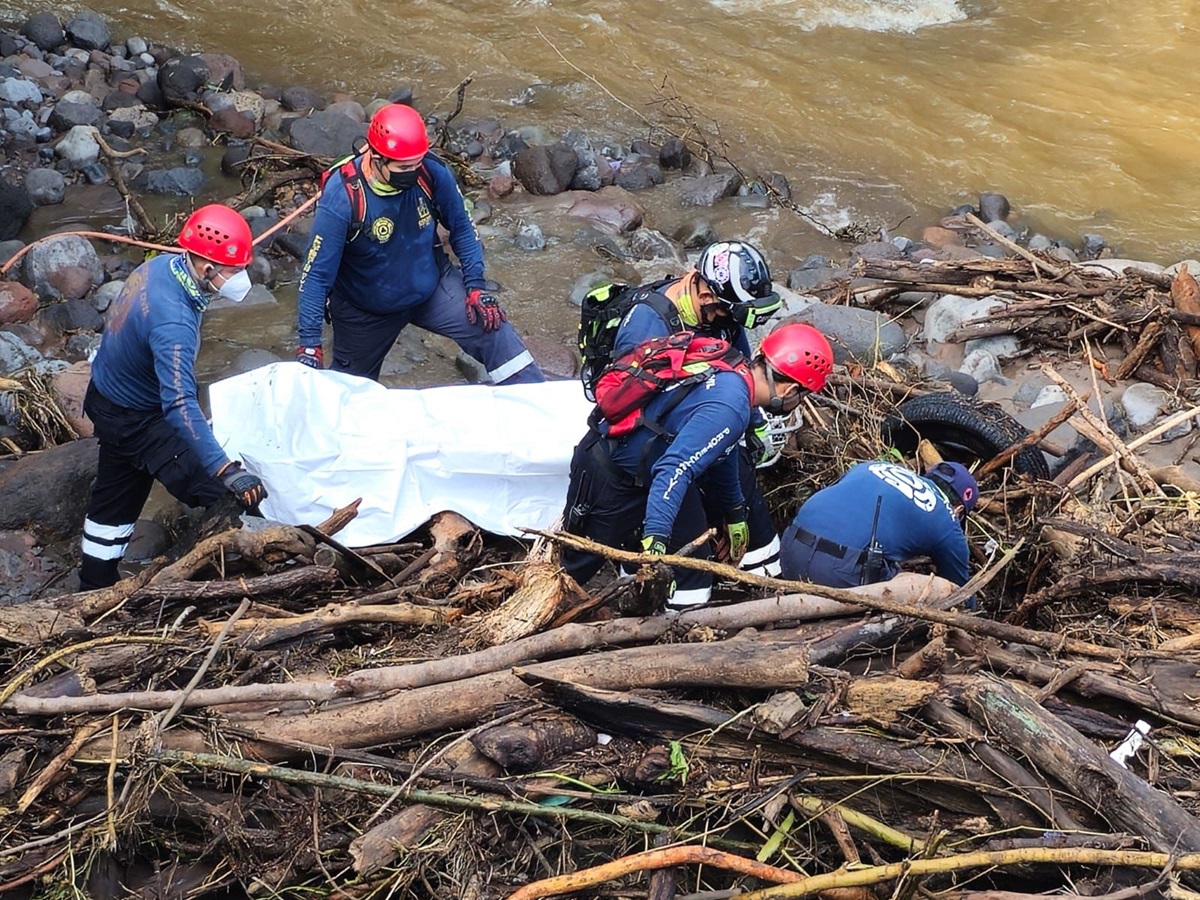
(677, 362)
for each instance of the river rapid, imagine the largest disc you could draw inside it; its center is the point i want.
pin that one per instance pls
(885, 112)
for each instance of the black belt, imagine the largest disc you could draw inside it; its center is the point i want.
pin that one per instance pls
(830, 548)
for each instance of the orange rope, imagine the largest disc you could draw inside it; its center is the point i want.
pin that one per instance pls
(146, 245)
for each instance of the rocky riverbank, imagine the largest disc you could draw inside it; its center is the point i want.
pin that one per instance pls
(86, 113)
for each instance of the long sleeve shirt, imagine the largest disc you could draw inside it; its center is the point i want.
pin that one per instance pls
(147, 356)
(915, 518)
(707, 424)
(396, 260)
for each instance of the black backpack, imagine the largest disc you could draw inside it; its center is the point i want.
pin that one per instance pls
(600, 315)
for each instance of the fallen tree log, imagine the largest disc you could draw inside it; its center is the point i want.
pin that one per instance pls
(904, 589)
(379, 846)
(767, 664)
(1117, 794)
(263, 632)
(1087, 682)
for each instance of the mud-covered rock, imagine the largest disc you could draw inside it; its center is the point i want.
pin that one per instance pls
(48, 492)
(545, 169)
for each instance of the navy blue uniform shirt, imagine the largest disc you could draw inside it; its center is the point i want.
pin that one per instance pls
(396, 261)
(147, 355)
(707, 424)
(915, 518)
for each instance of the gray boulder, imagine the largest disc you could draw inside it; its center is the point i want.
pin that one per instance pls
(181, 78)
(648, 244)
(20, 123)
(674, 154)
(19, 90)
(259, 295)
(67, 115)
(48, 492)
(71, 316)
(89, 31)
(46, 187)
(860, 334)
(180, 181)
(301, 100)
(326, 133)
(1143, 403)
(638, 172)
(44, 30)
(530, 237)
(695, 234)
(981, 365)
(706, 190)
(993, 207)
(545, 169)
(79, 146)
(594, 171)
(47, 258)
(104, 295)
(15, 354)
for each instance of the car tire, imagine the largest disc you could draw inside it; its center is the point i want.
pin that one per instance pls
(962, 429)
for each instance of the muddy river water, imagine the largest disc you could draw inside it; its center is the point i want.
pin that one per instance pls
(889, 112)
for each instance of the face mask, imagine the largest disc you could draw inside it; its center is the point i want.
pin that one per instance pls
(234, 288)
(401, 181)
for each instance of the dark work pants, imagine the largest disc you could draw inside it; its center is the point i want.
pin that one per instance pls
(604, 504)
(807, 560)
(362, 339)
(137, 447)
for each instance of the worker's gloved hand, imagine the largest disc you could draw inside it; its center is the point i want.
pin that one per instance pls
(654, 545)
(310, 356)
(758, 442)
(738, 529)
(484, 307)
(247, 488)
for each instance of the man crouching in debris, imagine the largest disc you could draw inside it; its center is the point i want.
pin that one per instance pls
(859, 530)
(142, 397)
(643, 466)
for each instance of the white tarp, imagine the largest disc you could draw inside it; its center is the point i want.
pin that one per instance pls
(499, 456)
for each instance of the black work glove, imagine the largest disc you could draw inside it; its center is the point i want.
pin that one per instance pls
(248, 489)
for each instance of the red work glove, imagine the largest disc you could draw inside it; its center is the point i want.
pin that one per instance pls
(485, 308)
(310, 356)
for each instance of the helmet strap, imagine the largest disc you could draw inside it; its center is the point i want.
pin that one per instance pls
(774, 402)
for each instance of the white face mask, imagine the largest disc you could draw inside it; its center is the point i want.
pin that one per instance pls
(236, 287)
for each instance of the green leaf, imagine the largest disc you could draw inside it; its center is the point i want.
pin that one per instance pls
(775, 841)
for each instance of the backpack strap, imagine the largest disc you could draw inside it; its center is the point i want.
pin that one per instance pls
(355, 183)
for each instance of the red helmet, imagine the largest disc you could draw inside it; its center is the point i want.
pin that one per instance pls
(219, 234)
(398, 132)
(800, 353)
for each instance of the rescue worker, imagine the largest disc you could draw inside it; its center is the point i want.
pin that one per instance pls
(651, 477)
(375, 263)
(142, 395)
(728, 292)
(828, 540)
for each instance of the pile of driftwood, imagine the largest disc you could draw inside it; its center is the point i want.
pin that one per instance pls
(1150, 320)
(272, 713)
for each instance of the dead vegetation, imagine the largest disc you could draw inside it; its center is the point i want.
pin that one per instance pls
(276, 715)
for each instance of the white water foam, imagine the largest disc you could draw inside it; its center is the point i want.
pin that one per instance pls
(865, 15)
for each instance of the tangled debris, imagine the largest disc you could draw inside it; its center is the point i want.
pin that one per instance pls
(275, 714)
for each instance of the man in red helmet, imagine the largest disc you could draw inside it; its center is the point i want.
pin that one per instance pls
(652, 476)
(728, 292)
(375, 263)
(142, 396)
